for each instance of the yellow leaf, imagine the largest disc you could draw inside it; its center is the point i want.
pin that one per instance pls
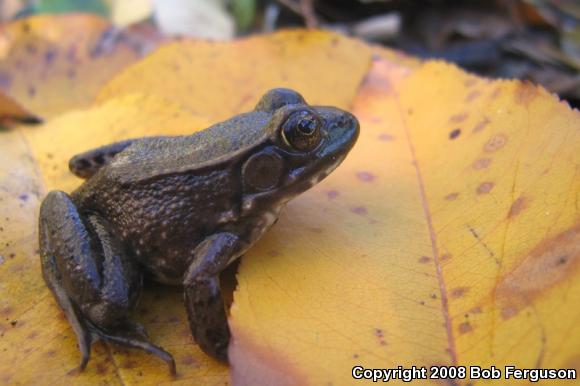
(11, 110)
(48, 148)
(128, 116)
(40, 333)
(449, 236)
(220, 79)
(52, 63)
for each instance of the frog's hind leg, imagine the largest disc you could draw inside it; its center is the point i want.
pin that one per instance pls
(86, 164)
(93, 281)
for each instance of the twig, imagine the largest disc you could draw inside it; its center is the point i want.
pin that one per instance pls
(307, 7)
(304, 8)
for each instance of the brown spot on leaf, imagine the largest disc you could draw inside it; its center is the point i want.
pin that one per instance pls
(452, 196)
(470, 82)
(445, 256)
(188, 360)
(386, 137)
(552, 261)
(526, 92)
(481, 163)
(472, 96)
(573, 362)
(424, 259)
(6, 311)
(129, 364)
(495, 93)
(101, 368)
(476, 310)
(459, 292)
(380, 336)
(457, 118)
(495, 143)
(481, 125)
(360, 210)
(74, 372)
(365, 176)
(465, 327)
(49, 56)
(32, 335)
(31, 49)
(485, 187)
(454, 133)
(508, 312)
(332, 194)
(518, 206)
(5, 80)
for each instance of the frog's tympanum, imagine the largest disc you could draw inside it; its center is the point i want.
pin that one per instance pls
(179, 210)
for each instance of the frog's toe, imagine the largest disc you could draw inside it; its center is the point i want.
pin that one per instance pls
(133, 335)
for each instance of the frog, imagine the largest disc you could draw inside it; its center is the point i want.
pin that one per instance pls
(179, 210)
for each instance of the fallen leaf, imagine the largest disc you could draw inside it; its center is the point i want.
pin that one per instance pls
(437, 241)
(11, 110)
(449, 236)
(219, 79)
(53, 63)
(43, 153)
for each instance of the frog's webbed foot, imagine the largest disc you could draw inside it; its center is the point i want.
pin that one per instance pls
(203, 298)
(134, 336)
(91, 278)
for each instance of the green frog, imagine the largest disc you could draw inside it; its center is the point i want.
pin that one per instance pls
(179, 210)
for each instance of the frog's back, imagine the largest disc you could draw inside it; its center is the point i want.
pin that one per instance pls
(158, 156)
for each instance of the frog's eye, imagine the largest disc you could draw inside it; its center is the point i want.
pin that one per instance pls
(302, 130)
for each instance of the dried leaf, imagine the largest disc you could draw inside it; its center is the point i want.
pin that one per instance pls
(52, 63)
(41, 334)
(219, 79)
(449, 236)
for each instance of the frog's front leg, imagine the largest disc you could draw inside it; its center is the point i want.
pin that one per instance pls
(90, 276)
(84, 165)
(203, 297)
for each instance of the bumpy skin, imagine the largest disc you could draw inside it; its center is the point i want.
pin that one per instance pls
(179, 210)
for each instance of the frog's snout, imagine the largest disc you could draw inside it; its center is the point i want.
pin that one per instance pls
(341, 132)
